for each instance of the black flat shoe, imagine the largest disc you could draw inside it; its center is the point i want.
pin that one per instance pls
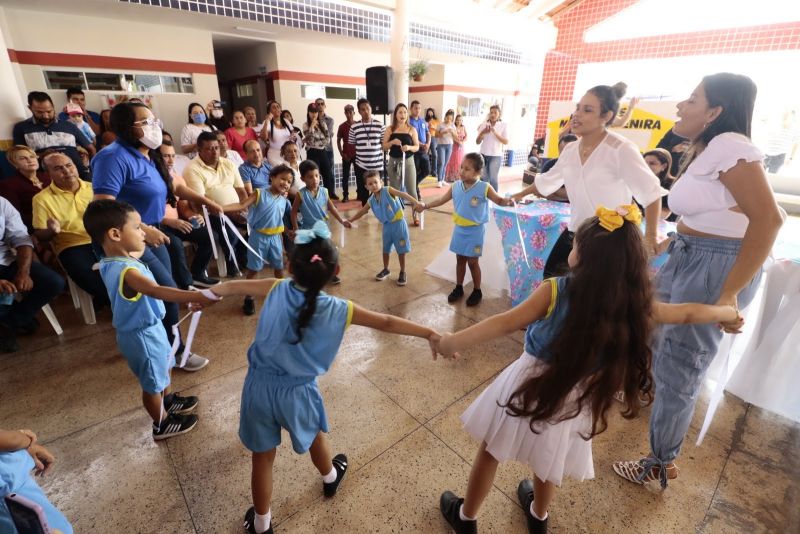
(525, 496)
(450, 505)
(250, 522)
(340, 464)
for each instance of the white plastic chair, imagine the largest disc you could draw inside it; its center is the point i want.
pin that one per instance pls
(83, 300)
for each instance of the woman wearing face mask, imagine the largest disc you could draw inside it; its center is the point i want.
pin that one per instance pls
(131, 169)
(275, 133)
(216, 116)
(198, 123)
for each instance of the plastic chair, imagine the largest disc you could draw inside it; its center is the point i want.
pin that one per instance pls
(83, 300)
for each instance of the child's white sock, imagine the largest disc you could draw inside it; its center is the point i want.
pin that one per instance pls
(262, 521)
(462, 516)
(536, 516)
(330, 477)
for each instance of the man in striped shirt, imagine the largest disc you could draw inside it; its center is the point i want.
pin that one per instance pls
(366, 135)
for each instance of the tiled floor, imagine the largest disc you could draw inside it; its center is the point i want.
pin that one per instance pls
(392, 409)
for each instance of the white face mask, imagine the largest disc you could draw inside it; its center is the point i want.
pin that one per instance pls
(216, 113)
(152, 137)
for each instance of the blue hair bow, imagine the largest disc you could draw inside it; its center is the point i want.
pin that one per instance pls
(319, 230)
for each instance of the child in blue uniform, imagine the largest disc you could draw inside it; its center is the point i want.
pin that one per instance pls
(385, 203)
(265, 209)
(19, 455)
(470, 198)
(137, 308)
(312, 203)
(297, 338)
(543, 409)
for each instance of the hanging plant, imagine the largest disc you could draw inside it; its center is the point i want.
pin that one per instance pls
(417, 69)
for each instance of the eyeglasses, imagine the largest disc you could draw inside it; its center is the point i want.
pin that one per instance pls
(150, 121)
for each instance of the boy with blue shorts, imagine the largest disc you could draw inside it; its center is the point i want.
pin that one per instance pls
(388, 209)
(137, 308)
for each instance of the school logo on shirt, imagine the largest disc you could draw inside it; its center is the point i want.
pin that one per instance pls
(477, 249)
(473, 202)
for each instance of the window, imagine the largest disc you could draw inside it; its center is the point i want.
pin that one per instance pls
(312, 92)
(244, 90)
(119, 82)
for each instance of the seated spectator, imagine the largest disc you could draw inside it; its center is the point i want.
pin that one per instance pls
(86, 160)
(38, 284)
(106, 136)
(181, 161)
(217, 179)
(75, 96)
(254, 171)
(238, 134)
(290, 153)
(225, 151)
(252, 119)
(20, 453)
(216, 116)
(43, 131)
(21, 188)
(562, 142)
(182, 223)
(58, 219)
(198, 123)
(75, 116)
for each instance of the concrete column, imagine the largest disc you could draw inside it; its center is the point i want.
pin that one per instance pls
(399, 50)
(12, 108)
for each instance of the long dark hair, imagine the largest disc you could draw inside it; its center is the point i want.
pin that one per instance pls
(664, 157)
(430, 113)
(279, 117)
(394, 116)
(313, 265)
(312, 108)
(189, 112)
(603, 345)
(609, 98)
(123, 115)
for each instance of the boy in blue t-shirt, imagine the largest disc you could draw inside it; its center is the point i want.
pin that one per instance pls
(137, 307)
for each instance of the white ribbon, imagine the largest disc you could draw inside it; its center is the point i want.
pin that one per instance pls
(519, 231)
(232, 226)
(341, 237)
(207, 218)
(421, 221)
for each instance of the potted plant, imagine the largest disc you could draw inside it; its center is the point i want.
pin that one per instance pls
(417, 69)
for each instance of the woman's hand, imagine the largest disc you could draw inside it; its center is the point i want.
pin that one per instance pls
(197, 219)
(43, 459)
(397, 142)
(213, 207)
(7, 287)
(153, 236)
(732, 327)
(179, 225)
(444, 346)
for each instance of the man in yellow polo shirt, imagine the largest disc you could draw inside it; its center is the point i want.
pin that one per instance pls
(218, 179)
(58, 217)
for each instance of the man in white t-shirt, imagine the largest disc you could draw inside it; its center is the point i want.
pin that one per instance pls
(492, 136)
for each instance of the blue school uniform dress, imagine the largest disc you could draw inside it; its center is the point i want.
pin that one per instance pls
(312, 209)
(137, 320)
(280, 390)
(265, 218)
(15, 477)
(470, 215)
(389, 211)
(556, 449)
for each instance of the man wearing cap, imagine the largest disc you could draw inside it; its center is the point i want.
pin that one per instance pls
(347, 150)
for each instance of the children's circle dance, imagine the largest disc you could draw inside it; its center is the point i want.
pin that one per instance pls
(588, 333)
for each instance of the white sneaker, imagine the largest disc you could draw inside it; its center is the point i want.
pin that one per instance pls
(440, 184)
(195, 362)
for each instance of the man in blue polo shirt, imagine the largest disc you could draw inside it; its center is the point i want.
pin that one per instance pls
(421, 160)
(254, 171)
(75, 96)
(43, 131)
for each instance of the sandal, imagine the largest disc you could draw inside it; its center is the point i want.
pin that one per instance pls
(646, 470)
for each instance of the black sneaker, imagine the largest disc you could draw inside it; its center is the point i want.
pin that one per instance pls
(174, 425)
(525, 496)
(250, 522)
(233, 272)
(174, 404)
(249, 306)
(8, 343)
(345, 197)
(383, 275)
(335, 281)
(455, 294)
(450, 505)
(340, 464)
(474, 298)
(202, 280)
(402, 280)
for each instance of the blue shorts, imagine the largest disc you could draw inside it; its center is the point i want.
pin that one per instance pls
(468, 240)
(395, 234)
(147, 351)
(270, 403)
(269, 246)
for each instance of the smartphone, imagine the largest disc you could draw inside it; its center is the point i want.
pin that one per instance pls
(27, 516)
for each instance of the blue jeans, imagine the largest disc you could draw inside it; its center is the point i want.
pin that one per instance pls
(695, 272)
(491, 170)
(443, 152)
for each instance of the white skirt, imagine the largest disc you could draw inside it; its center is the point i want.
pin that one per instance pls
(557, 450)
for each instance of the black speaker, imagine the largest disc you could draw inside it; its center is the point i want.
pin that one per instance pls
(380, 89)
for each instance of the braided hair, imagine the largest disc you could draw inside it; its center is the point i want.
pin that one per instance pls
(313, 265)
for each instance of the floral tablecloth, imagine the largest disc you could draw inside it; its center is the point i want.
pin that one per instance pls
(541, 222)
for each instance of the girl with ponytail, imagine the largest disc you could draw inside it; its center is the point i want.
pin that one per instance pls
(298, 335)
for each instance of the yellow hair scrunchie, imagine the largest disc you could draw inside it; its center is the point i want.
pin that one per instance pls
(613, 219)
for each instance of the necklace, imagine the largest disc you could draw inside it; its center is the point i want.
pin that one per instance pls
(586, 151)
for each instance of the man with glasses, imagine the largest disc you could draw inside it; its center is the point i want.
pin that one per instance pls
(44, 131)
(320, 102)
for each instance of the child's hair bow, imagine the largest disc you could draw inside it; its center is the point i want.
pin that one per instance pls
(613, 219)
(319, 230)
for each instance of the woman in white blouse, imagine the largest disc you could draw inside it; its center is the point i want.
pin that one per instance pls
(602, 169)
(198, 123)
(729, 222)
(275, 133)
